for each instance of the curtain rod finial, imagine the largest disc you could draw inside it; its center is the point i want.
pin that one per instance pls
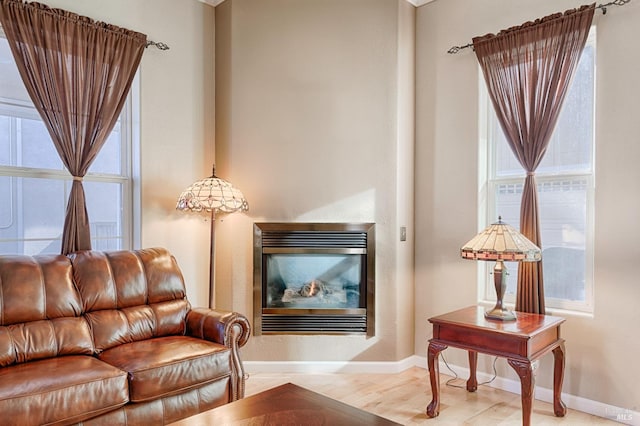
(160, 45)
(455, 49)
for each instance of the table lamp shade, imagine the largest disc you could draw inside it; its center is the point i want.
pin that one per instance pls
(502, 243)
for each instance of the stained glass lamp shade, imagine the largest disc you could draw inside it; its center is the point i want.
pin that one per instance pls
(501, 242)
(212, 194)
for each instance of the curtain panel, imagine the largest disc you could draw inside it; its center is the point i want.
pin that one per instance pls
(528, 70)
(78, 73)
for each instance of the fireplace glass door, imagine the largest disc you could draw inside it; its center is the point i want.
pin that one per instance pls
(311, 280)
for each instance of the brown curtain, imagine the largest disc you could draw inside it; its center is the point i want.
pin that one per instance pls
(77, 72)
(528, 70)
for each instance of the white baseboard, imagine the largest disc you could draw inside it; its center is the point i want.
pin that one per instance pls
(622, 415)
(320, 367)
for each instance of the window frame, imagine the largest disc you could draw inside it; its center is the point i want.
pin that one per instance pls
(489, 182)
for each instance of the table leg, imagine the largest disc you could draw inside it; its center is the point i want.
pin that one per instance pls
(524, 369)
(433, 409)
(472, 383)
(559, 408)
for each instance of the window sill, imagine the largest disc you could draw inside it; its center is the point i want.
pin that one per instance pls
(550, 311)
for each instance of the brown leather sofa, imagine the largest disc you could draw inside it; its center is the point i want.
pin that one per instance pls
(109, 338)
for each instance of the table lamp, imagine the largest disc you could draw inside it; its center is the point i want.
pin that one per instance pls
(501, 242)
(212, 195)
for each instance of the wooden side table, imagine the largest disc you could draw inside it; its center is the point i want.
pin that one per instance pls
(521, 342)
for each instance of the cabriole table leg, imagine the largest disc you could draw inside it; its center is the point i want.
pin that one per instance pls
(472, 383)
(559, 408)
(524, 369)
(433, 409)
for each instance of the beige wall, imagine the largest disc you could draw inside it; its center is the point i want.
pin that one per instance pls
(176, 123)
(602, 351)
(314, 116)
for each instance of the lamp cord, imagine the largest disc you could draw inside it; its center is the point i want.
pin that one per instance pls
(456, 377)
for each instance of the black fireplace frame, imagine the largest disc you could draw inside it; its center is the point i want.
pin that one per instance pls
(298, 237)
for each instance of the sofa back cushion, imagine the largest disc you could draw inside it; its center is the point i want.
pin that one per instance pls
(40, 310)
(130, 295)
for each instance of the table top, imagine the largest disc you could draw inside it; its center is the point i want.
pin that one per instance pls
(526, 324)
(287, 404)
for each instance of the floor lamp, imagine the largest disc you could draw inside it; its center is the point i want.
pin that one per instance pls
(212, 195)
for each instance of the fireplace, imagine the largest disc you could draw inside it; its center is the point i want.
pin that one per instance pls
(314, 278)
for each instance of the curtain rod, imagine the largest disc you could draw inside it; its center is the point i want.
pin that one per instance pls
(163, 46)
(455, 49)
(160, 45)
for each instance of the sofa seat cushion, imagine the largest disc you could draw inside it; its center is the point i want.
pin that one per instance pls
(62, 390)
(168, 365)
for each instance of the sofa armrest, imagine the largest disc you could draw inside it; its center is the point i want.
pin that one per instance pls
(230, 329)
(224, 327)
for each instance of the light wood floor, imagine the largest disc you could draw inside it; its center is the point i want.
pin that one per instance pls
(403, 398)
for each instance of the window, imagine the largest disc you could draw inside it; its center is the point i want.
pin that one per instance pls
(35, 186)
(565, 180)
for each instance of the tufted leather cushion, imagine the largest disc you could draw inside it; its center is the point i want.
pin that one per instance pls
(40, 310)
(168, 409)
(168, 365)
(130, 296)
(31, 394)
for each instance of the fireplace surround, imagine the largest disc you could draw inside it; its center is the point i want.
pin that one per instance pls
(314, 278)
